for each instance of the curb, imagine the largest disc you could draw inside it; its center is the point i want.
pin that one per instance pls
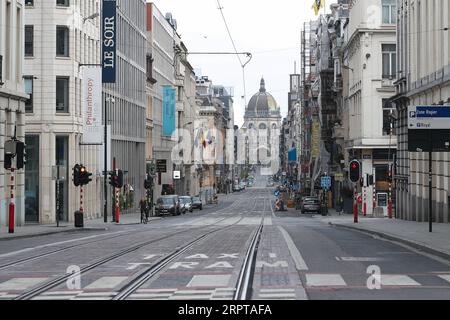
(411, 243)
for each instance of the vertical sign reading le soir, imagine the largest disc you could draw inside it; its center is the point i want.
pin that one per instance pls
(168, 111)
(92, 105)
(109, 27)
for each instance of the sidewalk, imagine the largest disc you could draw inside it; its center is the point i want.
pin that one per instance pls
(98, 224)
(414, 234)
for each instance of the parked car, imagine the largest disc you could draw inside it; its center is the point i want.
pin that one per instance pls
(186, 202)
(311, 204)
(197, 203)
(168, 205)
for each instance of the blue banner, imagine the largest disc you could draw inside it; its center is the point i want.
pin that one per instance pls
(292, 155)
(168, 110)
(109, 43)
(432, 112)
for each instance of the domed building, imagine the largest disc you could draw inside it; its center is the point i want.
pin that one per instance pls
(262, 123)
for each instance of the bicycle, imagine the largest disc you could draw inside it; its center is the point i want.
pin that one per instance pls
(144, 214)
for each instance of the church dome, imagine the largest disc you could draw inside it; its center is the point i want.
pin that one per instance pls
(262, 103)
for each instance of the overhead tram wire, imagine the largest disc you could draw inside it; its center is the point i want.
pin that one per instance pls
(243, 65)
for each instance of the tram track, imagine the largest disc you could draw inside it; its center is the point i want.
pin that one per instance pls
(243, 286)
(8, 265)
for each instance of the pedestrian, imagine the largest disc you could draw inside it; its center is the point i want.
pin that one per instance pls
(341, 205)
(144, 210)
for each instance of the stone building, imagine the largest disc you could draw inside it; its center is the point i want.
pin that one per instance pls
(12, 103)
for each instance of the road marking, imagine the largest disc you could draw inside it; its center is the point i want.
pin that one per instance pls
(324, 280)
(272, 255)
(276, 295)
(276, 290)
(358, 259)
(156, 290)
(97, 294)
(58, 243)
(209, 281)
(446, 277)
(398, 280)
(20, 283)
(300, 263)
(190, 297)
(106, 283)
(61, 293)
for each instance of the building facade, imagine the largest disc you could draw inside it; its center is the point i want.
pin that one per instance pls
(370, 55)
(424, 79)
(61, 38)
(261, 129)
(12, 103)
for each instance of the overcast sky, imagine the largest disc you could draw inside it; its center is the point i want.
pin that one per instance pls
(270, 30)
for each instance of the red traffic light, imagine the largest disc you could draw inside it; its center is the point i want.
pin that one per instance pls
(355, 171)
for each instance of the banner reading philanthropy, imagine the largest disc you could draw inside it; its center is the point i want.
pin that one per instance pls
(91, 99)
(168, 111)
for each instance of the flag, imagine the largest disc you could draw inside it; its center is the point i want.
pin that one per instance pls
(318, 4)
(203, 141)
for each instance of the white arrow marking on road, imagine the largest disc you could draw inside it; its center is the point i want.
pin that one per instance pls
(300, 263)
(277, 264)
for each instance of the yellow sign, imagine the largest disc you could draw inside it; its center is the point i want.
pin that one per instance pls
(315, 140)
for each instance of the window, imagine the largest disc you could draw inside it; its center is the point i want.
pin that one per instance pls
(389, 61)
(388, 124)
(29, 91)
(62, 41)
(29, 41)
(389, 11)
(63, 3)
(29, 3)
(62, 94)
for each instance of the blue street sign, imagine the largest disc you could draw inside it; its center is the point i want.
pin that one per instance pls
(277, 193)
(429, 117)
(326, 182)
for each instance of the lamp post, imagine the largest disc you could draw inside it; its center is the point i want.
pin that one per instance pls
(105, 173)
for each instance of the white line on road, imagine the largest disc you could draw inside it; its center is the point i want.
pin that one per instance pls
(358, 259)
(58, 243)
(300, 263)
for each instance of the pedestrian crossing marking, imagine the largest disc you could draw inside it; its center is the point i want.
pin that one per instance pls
(324, 280)
(398, 280)
(17, 284)
(106, 283)
(209, 281)
(446, 277)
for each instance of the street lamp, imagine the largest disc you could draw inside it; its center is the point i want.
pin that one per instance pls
(111, 100)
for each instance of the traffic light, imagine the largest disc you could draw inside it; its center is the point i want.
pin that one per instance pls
(148, 182)
(76, 175)
(119, 179)
(85, 176)
(355, 171)
(113, 179)
(370, 180)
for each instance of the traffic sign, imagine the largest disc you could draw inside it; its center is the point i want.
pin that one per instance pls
(326, 182)
(428, 117)
(339, 177)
